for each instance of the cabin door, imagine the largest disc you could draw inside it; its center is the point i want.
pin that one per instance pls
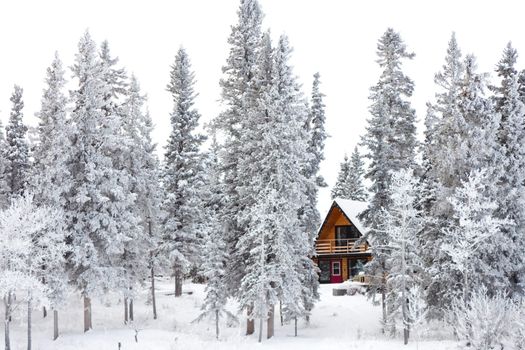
(336, 275)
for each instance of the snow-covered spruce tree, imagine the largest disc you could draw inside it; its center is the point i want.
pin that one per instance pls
(317, 135)
(275, 242)
(51, 180)
(214, 266)
(238, 96)
(440, 149)
(4, 187)
(402, 221)
(354, 183)
(142, 165)
(391, 142)
(100, 219)
(17, 148)
(30, 236)
(511, 139)
(340, 189)
(464, 140)
(182, 173)
(474, 231)
(118, 146)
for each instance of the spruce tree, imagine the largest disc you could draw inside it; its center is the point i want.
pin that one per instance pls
(511, 139)
(354, 183)
(99, 205)
(182, 173)
(17, 148)
(142, 165)
(340, 187)
(391, 143)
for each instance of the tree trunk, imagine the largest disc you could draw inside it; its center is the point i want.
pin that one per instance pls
(153, 301)
(87, 314)
(44, 311)
(55, 324)
(383, 303)
(178, 282)
(270, 322)
(250, 324)
(295, 321)
(29, 322)
(217, 324)
(7, 303)
(131, 310)
(260, 329)
(126, 318)
(281, 312)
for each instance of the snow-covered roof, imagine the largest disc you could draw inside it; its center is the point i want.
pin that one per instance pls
(351, 209)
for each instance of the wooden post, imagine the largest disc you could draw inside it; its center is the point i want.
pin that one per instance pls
(295, 320)
(270, 322)
(250, 323)
(55, 324)
(87, 314)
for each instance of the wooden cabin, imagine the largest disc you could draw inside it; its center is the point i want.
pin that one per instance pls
(337, 255)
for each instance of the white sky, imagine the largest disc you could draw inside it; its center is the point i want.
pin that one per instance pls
(335, 37)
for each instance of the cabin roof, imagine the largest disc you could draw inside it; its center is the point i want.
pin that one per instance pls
(351, 210)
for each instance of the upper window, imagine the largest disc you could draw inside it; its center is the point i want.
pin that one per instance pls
(344, 233)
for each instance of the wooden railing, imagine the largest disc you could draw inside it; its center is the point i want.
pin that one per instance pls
(338, 246)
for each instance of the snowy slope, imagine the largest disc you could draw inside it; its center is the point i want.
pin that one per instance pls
(349, 322)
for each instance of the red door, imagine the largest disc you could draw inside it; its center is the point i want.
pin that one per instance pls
(336, 275)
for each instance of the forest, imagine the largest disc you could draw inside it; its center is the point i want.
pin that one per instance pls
(89, 207)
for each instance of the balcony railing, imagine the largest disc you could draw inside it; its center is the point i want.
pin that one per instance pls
(339, 246)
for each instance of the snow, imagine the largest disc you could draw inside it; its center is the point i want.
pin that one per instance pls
(352, 209)
(349, 322)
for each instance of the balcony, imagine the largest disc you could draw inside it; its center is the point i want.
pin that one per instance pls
(339, 246)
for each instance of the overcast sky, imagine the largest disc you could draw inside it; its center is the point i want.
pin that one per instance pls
(335, 37)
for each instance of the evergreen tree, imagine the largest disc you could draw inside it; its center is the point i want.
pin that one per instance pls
(182, 173)
(215, 247)
(142, 165)
(17, 148)
(354, 183)
(391, 142)
(99, 205)
(238, 95)
(51, 180)
(340, 189)
(511, 139)
(402, 222)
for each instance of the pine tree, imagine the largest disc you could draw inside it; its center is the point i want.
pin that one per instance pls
(238, 95)
(182, 173)
(17, 148)
(391, 142)
(340, 187)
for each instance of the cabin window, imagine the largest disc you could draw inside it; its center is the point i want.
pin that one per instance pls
(324, 266)
(345, 233)
(336, 268)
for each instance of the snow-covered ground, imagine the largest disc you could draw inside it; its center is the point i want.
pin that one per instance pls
(343, 322)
